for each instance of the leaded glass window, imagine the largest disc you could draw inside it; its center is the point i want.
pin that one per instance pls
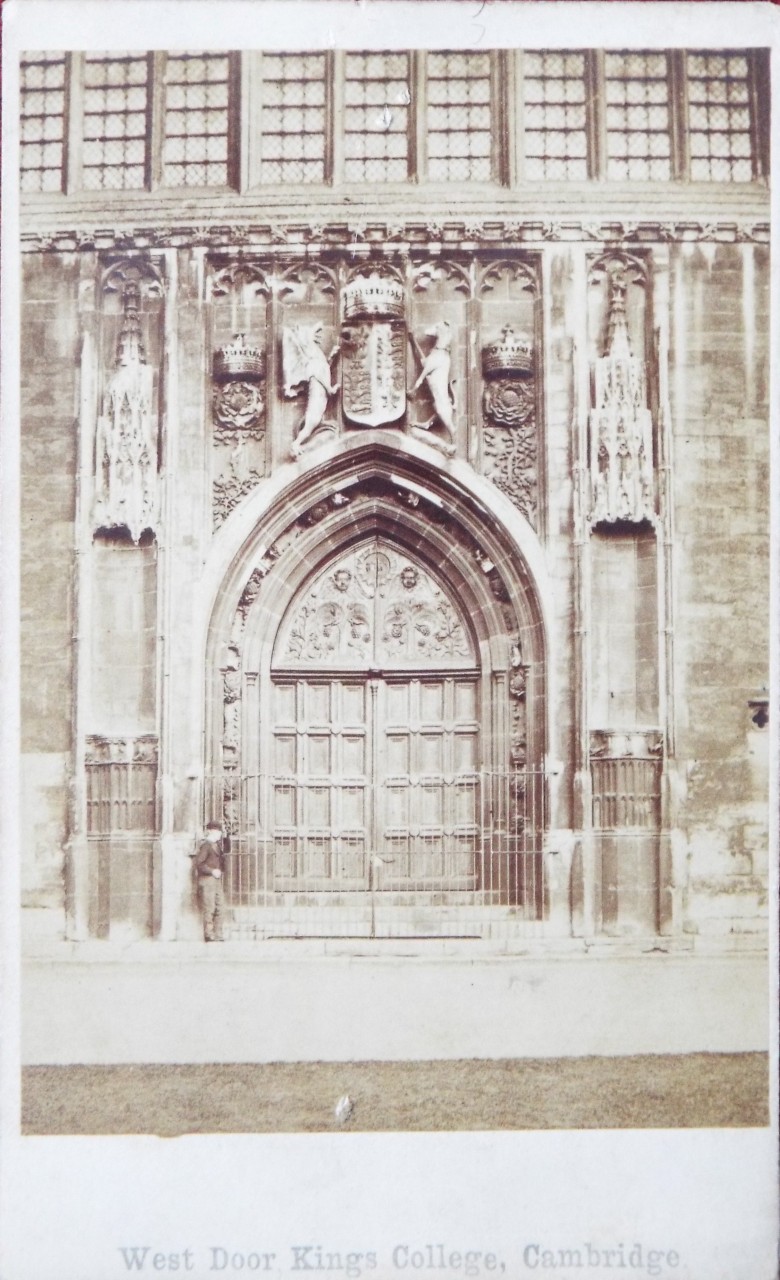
(376, 117)
(195, 149)
(637, 116)
(719, 117)
(458, 119)
(292, 120)
(97, 121)
(555, 136)
(115, 120)
(42, 121)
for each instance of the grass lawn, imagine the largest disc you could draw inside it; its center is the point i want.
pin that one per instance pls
(698, 1090)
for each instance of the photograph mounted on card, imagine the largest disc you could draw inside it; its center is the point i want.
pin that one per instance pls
(394, 526)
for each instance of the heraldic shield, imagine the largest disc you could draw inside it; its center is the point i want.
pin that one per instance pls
(373, 352)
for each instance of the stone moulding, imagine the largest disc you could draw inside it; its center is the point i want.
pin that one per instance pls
(449, 234)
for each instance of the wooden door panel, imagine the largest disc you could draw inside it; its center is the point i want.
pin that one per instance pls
(465, 750)
(320, 790)
(419, 813)
(430, 700)
(427, 786)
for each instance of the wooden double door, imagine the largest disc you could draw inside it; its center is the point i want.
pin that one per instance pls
(375, 780)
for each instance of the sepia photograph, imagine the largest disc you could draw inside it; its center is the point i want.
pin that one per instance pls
(394, 576)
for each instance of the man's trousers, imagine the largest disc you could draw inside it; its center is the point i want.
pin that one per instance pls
(212, 900)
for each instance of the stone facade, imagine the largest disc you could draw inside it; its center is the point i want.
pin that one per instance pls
(428, 552)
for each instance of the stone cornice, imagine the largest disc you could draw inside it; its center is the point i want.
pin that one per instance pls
(360, 236)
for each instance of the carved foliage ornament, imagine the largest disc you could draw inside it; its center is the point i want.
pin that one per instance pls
(509, 407)
(518, 688)
(510, 462)
(265, 235)
(230, 489)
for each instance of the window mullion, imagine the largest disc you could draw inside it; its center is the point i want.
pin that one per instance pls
(501, 90)
(516, 136)
(758, 90)
(73, 132)
(334, 107)
(678, 108)
(155, 116)
(418, 123)
(251, 119)
(236, 133)
(595, 113)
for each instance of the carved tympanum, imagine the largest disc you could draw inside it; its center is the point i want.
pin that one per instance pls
(374, 606)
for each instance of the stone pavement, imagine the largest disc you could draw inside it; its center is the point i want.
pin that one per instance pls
(285, 1002)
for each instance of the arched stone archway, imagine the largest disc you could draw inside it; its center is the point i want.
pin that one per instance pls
(366, 734)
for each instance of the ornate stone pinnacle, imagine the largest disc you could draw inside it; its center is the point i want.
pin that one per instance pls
(618, 342)
(129, 349)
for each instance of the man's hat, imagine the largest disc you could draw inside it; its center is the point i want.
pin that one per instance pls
(213, 826)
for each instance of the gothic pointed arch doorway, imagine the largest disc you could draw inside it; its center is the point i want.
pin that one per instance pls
(378, 718)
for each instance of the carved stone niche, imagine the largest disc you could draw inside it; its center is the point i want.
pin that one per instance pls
(621, 426)
(126, 494)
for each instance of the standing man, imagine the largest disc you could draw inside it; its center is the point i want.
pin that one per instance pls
(209, 866)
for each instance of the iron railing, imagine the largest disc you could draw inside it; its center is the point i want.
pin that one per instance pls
(433, 855)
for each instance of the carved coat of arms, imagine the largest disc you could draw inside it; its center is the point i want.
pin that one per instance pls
(373, 351)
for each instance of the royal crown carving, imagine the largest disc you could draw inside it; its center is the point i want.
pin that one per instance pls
(512, 353)
(373, 295)
(239, 359)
